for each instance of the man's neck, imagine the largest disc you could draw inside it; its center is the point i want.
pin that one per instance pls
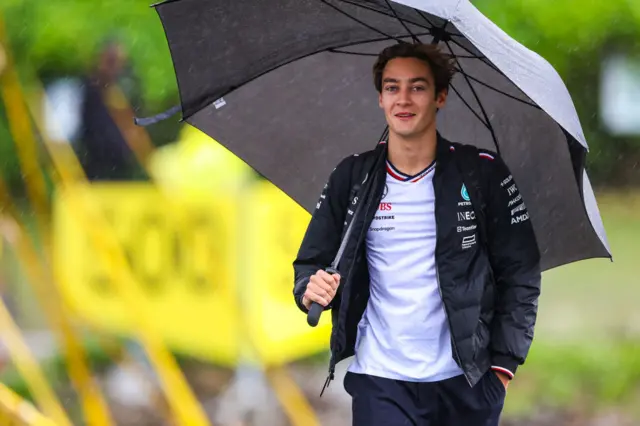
(411, 156)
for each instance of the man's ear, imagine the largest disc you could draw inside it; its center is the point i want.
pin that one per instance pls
(441, 98)
(380, 100)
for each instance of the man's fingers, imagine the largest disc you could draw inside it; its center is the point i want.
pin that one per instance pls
(336, 281)
(325, 276)
(314, 297)
(321, 288)
(322, 283)
(332, 280)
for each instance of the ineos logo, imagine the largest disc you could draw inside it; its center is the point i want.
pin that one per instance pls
(463, 216)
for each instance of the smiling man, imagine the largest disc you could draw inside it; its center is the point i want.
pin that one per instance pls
(437, 291)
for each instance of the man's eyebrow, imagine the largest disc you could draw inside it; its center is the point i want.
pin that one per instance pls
(411, 80)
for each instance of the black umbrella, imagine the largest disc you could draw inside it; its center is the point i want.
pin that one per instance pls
(287, 86)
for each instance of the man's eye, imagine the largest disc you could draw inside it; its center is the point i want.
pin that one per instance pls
(391, 88)
(418, 88)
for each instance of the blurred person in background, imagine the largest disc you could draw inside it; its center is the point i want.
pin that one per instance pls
(107, 125)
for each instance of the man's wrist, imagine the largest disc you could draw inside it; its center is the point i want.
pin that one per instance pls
(299, 302)
(503, 371)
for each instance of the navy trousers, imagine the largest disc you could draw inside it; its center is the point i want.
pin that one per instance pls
(377, 401)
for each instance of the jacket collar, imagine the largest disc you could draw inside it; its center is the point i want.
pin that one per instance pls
(443, 147)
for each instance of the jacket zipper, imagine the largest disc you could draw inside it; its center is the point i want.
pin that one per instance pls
(332, 366)
(446, 312)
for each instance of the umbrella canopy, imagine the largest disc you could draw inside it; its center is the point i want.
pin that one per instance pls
(287, 86)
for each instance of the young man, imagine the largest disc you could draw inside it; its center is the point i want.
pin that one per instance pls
(437, 292)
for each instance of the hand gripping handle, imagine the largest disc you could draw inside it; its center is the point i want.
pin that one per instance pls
(313, 317)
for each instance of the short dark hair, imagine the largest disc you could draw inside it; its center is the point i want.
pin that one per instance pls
(441, 64)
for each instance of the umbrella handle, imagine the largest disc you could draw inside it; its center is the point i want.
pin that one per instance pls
(314, 314)
(313, 317)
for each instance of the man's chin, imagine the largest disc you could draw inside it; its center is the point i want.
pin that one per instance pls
(405, 134)
(408, 133)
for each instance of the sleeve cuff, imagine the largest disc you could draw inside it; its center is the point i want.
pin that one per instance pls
(298, 293)
(300, 305)
(503, 370)
(504, 364)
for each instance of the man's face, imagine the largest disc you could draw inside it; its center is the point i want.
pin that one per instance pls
(112, 61)
(408, 97)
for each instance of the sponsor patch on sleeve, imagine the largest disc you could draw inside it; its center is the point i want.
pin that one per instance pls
(517, 208)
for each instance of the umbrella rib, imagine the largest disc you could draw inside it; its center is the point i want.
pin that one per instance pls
(385, 133)
(413, 36)
(473, 90)
(423, 16)
(371, 40)
(488, 86)
(352, 53)
(469, 57)
(469, 106)
(459, 56)
(335, 49)
(371, 9)
(493, 67)
(359, 21)
(496, 69)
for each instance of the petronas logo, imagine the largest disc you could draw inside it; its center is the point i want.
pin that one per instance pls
(464, 193)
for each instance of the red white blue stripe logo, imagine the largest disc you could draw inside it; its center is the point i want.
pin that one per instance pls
(403, 177)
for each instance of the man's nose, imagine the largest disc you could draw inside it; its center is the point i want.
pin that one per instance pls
(404, 97)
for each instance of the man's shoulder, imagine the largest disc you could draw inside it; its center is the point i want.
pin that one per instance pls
(356, 161)
(485, 154)
(488, 162)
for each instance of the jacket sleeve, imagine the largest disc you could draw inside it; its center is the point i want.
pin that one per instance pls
(515, 261)
(323, 235)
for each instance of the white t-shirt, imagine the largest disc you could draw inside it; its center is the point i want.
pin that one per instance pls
(404, 333)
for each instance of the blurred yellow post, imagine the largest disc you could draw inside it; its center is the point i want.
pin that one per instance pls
(291, 398)
(94, 407)
(29, 369)
(136, 136)
(16, 411)
(20, 127)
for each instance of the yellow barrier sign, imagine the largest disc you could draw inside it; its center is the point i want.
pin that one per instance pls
(191, 257)
(184, 260)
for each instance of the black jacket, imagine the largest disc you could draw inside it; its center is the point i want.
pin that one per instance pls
(490, 288)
